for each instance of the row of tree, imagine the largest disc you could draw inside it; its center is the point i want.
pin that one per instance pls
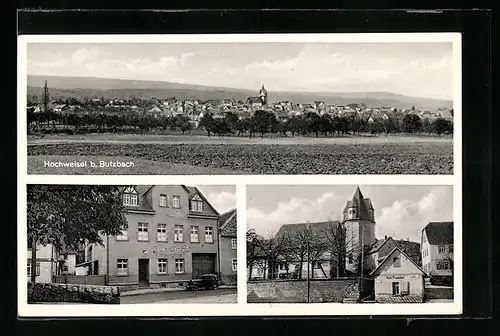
(303, 246)
(261, 122)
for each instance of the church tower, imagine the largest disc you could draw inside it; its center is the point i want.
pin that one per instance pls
(359, 223)
(263, 95)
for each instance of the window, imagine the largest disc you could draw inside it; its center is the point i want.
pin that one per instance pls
(234, 264)
(351, 212)
(350, 258)
(123, 235)
(178, 233)
(162, 266)
(195, 237)
(234, 243)
(395, 288)
(163, 200)
(282, 267)
(397, 261)
(65, 269)
(130, 197)
(142, 231)
(441, 249)
(161, 232)
(37, 269)
(442, 265)
(176, 201)
(179, 265)
(196, 204)
(209, 238)
(122, 267)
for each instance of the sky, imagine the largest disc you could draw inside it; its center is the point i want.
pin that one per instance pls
(222, 197)
(414, 69)
(400, 211)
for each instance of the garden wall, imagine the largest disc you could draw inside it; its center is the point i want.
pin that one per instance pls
(281, 291)
(52, 292)
(81, 279)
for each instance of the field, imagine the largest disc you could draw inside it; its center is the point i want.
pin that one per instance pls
(193, 155)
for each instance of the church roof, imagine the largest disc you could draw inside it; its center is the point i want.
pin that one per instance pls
(363, 205)
(252, 100)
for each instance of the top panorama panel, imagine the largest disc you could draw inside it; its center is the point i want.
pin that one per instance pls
(239, 106)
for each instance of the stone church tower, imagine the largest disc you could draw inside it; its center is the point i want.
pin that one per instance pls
(359, 223)
(263, 95)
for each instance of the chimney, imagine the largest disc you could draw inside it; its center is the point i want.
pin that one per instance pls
(385, 237)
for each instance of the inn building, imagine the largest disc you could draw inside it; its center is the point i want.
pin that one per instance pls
(172, 235)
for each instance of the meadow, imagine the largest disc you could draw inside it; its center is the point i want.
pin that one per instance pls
(194, 155)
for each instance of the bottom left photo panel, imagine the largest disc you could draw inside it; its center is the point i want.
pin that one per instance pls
(127, 244)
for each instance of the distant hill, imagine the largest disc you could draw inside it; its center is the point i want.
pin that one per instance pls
(81, 87)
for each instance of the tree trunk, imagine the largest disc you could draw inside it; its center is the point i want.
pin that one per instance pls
(33, 261)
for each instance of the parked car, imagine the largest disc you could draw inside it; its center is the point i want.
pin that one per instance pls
(206, 281)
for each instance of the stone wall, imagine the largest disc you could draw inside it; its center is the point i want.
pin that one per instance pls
(282, 291)
(52, 292)
(81, 279)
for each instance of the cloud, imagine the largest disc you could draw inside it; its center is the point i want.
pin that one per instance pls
(295, 210)
(85, 55)
(405, 218)
(222, 201)
(317, 67)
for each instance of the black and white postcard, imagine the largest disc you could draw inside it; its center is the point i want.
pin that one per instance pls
(239, 175)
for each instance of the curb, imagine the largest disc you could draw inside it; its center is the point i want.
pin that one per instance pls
(151, 291)
(163, 290)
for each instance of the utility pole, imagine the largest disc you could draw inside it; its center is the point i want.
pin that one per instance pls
(308, 282)
(362, 251)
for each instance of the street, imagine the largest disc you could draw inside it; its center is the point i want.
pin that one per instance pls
(222, 295)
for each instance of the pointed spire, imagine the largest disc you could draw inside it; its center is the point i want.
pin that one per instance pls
(358, 201)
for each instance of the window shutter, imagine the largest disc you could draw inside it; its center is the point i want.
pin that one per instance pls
(405, 287)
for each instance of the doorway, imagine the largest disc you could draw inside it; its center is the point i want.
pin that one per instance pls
(143, 271)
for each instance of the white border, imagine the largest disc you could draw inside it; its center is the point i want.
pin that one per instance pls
(241, 308)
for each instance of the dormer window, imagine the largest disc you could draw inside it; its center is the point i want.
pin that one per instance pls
(196, 204)
(130, 197)
(351, 213)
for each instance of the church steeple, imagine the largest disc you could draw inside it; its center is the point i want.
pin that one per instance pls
(358, 207)
(263, 94)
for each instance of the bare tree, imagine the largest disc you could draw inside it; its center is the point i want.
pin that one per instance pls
(45, 100)
(335, 235)
(253, 250)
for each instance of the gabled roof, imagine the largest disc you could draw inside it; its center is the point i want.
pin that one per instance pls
(252, 100)
(388, 257)
(227, 223)
(439, 233)
(317, 227)
(195, 191)
(378, 245)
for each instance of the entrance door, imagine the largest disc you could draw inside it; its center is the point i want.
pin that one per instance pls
(203, 264)
(143, 270)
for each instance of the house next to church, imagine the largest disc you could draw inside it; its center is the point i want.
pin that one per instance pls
(437, 251)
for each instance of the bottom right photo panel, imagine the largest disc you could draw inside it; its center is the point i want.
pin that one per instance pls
(350, 244)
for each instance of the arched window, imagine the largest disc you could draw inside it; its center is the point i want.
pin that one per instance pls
(129, 197)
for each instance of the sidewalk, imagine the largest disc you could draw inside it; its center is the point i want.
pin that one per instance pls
(227, 298)
(159, 290)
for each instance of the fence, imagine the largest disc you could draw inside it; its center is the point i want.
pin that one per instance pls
(80, 279)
